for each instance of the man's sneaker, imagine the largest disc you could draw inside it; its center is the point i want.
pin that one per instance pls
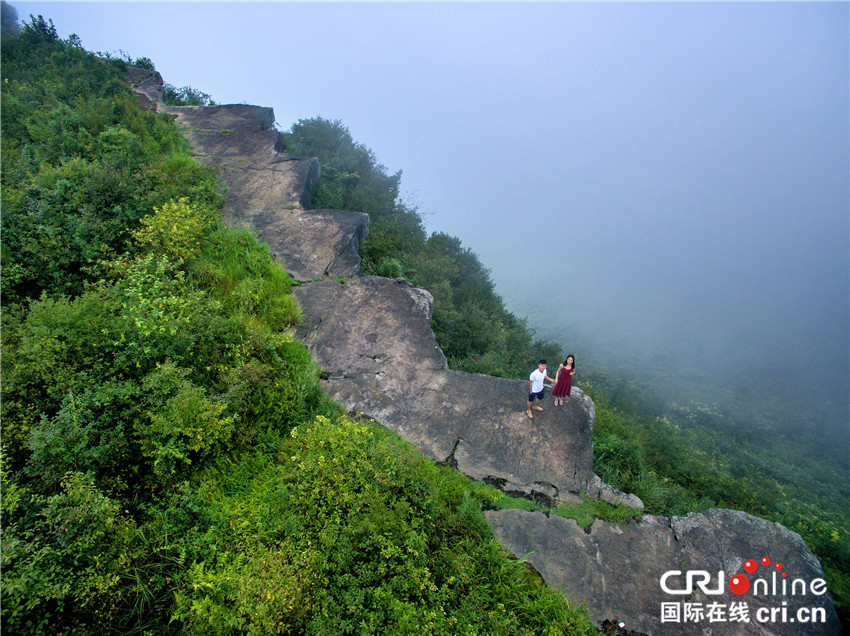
(537, 408)
(530, 416)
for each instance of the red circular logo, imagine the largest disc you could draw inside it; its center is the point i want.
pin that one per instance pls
(739, 584)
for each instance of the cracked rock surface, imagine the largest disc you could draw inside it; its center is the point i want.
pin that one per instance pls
(373, 336)
(616, 568)
(269, 190)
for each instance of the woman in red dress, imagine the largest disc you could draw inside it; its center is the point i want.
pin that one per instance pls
(564, 380)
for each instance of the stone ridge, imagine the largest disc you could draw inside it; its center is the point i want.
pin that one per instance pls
(616, 568)
(269, 191)
(374, 334)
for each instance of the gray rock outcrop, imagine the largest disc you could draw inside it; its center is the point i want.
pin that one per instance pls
(269, 191)
(148, 86)
(616, 569)
(373, 336)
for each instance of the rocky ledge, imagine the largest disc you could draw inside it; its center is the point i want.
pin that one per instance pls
(617, 569)
(373, 337)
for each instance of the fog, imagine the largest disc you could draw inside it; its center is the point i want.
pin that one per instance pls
(661, 186)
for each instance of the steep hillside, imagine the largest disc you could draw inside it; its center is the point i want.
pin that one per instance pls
(373, 337)
(173, 460)
(170, 463)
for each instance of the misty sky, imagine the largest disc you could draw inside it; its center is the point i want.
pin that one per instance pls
(669, 180)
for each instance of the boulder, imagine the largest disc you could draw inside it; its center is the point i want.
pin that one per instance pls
(373, 337)
(617, 569)
(147, 84)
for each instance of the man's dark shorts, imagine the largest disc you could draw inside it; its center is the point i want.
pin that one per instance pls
(539, 395)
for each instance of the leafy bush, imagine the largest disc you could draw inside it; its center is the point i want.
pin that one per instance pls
(182, 422)
(175, 229)
(85, 435)
(145, 63)
(390, 268)
(62, 570)
(9, 16)
(38, 31)
(350, 530)
(185, 96)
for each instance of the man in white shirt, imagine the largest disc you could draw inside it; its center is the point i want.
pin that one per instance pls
(536, 391)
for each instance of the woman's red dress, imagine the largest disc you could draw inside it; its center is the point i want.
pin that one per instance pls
(564, 384)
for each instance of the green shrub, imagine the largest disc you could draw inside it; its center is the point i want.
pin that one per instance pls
(390, 268)
(63, 571)
(186, 96)
(618, 461)
(258, 588)
(181, 422)
(57, 349)
(38, 31)
(82, 164)
(145, 63)
(175, 229)
(367, 537)
(90, 433)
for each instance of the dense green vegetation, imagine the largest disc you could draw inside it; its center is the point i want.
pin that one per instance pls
(677, 458)
(169, 461)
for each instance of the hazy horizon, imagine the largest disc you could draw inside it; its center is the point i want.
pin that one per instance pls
(667, 182)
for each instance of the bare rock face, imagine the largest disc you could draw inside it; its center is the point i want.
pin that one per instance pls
(617, 569)
(269, 191)
(240, 139)
(147, 84)
(373, 337)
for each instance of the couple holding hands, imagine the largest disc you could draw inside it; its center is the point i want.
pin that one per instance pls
(563, 384)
